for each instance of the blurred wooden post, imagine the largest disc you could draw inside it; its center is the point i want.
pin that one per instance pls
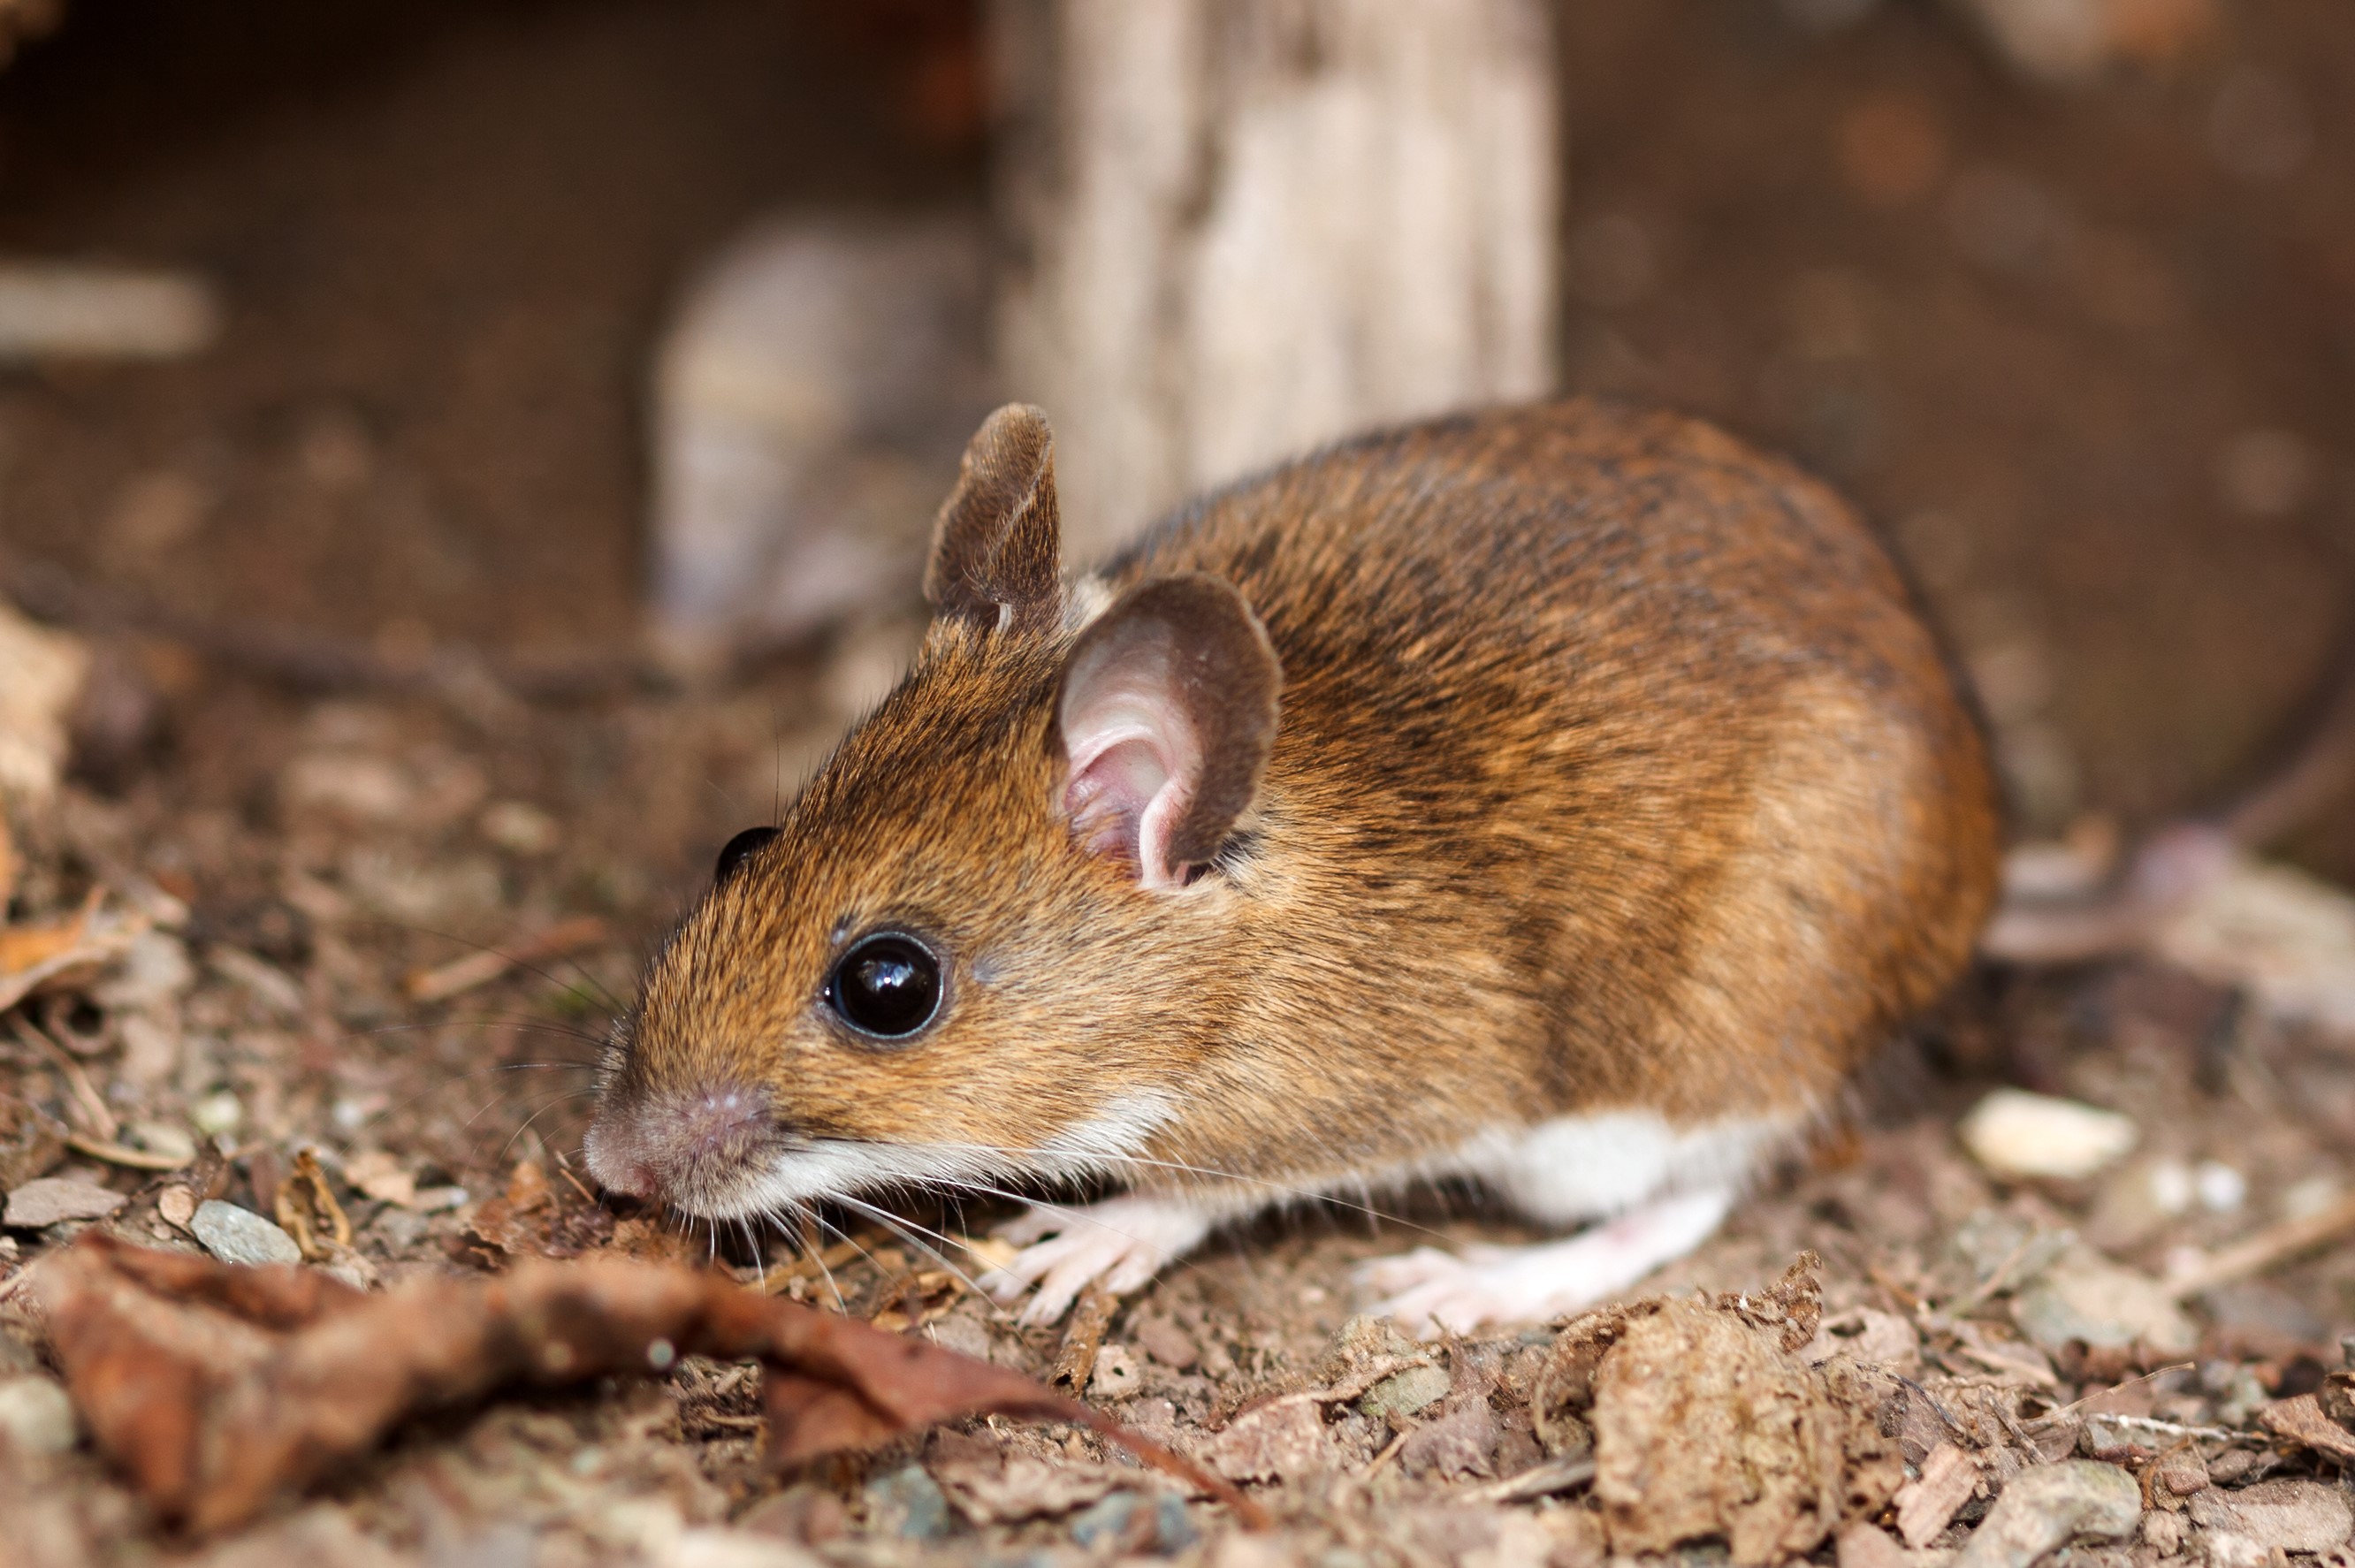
(1232, 228)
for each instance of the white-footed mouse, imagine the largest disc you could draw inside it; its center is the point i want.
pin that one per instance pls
(1563, 797)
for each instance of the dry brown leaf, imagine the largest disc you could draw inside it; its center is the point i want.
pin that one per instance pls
(2301, 1420)
(58, 954)
(218, 1387)
(1705, 1421)
(308, 1211)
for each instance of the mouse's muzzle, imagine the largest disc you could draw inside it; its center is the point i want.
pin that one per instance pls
(696, 1150)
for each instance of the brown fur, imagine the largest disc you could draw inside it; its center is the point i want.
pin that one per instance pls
(1615, 770)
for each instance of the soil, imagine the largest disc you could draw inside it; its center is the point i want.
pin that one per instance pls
(2084, 353)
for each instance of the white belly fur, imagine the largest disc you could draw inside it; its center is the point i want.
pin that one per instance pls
(1592, 1167)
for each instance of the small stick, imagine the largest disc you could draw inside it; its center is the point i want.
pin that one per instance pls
(2051, 1418)
(2275, 1245)
(2172, 1429)
(460, 976)
(1390, 1452)
(1076, 1362)
(85, 1095)
(116, 1154)
(1538, 1482)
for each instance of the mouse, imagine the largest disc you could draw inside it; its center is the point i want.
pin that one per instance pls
(1561, 798)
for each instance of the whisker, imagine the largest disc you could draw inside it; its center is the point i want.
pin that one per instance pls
(1305, 1194)
(908, 1230)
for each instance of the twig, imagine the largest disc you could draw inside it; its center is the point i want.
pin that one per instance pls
(1389, 1451)
(2277, 1243)
(2051, 1418)
(1077, 1360)
(2171, 1428)
(1539, 1481)
(84, 1095)
(458, 976)
(116, 1154)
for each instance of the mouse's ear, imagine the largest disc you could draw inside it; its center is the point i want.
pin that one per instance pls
(998, 547)
(1167, 713)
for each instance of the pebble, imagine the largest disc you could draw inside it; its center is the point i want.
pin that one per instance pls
(907, 1503)
(54, 1199)
(1109, 1521)
(2046, 1506)
(2027, 1136)
(2295, 1515)
(238, 1235)
(2086, 1297)
(35, 1417)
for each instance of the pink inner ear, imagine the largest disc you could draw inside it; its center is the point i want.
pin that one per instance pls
(1135, 761)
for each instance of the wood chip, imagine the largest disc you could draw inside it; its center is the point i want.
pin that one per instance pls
(1926, 1506)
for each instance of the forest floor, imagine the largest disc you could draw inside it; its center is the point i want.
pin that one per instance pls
(2084, 352)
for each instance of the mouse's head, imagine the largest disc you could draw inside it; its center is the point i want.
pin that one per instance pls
(976, 945)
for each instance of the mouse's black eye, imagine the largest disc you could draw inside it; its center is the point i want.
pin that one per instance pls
(739, 849)
(888, 985)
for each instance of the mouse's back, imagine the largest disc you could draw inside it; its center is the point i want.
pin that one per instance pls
(1635, 716)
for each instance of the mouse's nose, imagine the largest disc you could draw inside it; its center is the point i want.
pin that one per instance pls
(686, 1149)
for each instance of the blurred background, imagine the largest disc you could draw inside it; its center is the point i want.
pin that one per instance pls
(581, 377)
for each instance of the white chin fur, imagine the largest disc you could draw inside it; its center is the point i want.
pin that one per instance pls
(833, 1167)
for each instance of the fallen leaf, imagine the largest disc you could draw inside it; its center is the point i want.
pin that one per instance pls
(307, 1211)
(2300, 1419)
(60, 954)
(219, 1388)
(1705, 1421)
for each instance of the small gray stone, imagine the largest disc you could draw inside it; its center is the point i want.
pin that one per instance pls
(2086, 1297)
(54, 1199)
(1111, 1522)
(1107, 1520)
(35, 1417)
(1403, 1393)
(2044, 1507)
(909, 1503)
(238, 1235)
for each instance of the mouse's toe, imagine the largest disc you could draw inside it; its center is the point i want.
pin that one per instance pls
(1120, 1243)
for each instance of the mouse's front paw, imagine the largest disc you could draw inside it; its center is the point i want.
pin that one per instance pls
(1120, 1243)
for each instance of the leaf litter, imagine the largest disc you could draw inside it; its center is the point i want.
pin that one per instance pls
(217, 1387)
